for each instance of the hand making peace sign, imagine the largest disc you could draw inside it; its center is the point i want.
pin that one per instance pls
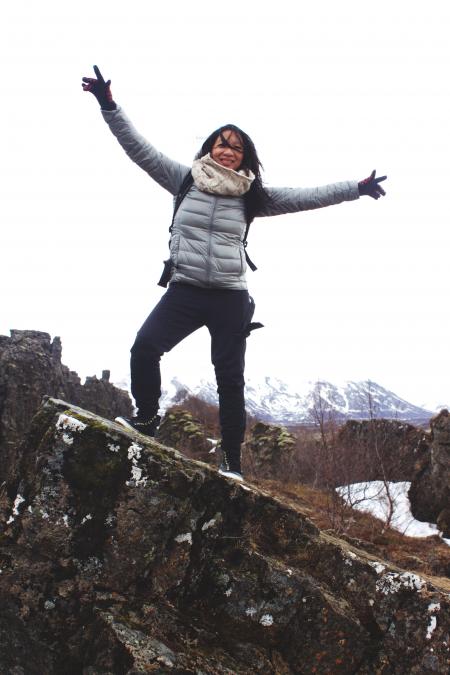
(370, 186)
(100, 89)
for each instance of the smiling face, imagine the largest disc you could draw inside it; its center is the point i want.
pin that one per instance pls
(228, 150)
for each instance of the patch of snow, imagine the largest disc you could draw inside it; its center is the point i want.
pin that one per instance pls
(228, 592)
(86, 518)
(372, 497)
(291, 402)
(250, 611)
(113, 448)
(68, 440)
(184, 537)
(49, 605)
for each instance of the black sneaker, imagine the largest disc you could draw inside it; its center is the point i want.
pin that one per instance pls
(230, 467)
(147, 427)
(236, 475)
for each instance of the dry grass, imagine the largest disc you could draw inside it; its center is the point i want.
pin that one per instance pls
(427, 555)
(316, 458)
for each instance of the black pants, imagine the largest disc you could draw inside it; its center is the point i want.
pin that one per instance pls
(181, 311)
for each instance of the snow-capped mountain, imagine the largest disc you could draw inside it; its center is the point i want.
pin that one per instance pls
(272, 400)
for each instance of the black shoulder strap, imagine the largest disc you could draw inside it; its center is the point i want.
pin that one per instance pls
(247, 257)
(168, 264)
(185, 186)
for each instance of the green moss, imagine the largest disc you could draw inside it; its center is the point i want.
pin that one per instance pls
(92, 422)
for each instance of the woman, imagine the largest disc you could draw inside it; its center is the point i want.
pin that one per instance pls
(216, 200)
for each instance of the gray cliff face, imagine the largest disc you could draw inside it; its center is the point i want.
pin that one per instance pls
(119, 555)
(30, 368)
(430, 489)
(378, 449)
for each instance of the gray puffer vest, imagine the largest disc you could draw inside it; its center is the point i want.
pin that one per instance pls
(206, 246)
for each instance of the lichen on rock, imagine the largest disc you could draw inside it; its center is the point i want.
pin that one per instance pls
(187, 571)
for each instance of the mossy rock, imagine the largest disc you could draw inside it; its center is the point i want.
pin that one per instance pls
(181, 430)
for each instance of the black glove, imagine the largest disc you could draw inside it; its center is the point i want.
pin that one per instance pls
(370, 186)
(100, 89)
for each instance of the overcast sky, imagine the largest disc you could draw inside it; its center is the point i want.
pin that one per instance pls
(328, 91)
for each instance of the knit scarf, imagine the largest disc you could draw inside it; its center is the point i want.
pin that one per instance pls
(209, 176)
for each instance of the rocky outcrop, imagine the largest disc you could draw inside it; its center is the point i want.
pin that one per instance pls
(119, 555)
(207, 414)
(430, 488)
(377, 449)
(180, 430)
(30, 368)
(268, 451)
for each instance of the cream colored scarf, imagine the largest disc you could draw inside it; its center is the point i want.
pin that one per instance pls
(209, 176)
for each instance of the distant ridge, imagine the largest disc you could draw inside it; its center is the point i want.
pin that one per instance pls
(272, 400)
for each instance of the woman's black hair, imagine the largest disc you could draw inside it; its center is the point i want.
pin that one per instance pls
(256, 198)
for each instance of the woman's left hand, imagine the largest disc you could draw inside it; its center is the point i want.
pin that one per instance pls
(370, 186)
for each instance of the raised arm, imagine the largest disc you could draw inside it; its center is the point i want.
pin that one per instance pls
(165, 171)
(291, 200)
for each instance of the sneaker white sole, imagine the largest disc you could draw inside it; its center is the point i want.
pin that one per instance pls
(232, 474)
(124, 423)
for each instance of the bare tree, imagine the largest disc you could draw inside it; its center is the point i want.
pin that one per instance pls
(376, 448)
(324, 418)
(339, 467)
